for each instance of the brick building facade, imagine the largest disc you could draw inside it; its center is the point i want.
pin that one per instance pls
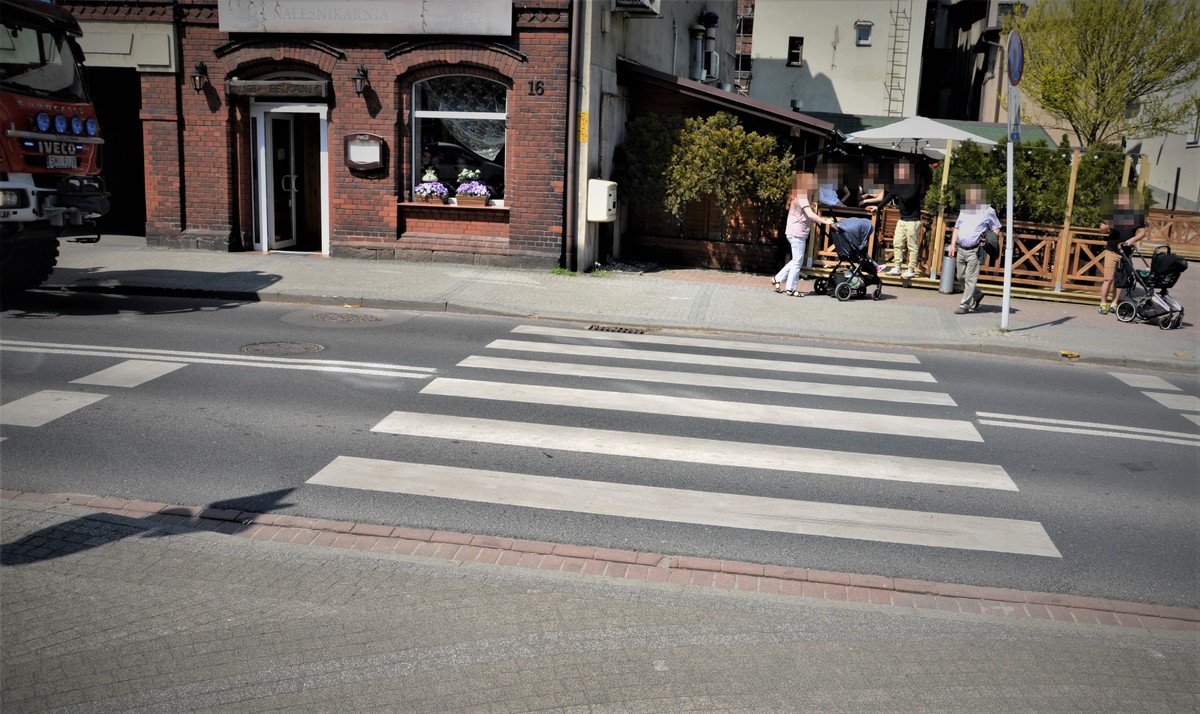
(256, 158)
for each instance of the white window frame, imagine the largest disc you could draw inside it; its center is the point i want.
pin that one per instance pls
(419, 114)
(858, 27)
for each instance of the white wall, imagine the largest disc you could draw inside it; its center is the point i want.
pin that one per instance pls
(837, 75)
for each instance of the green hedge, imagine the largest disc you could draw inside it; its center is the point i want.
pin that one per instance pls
(1041, 178)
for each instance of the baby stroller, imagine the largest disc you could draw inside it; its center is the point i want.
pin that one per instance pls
(850, 239)
(1140, 301)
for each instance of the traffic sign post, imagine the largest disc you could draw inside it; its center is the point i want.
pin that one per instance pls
(1015, 60)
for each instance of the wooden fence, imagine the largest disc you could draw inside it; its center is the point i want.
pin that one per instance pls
(1046, 258)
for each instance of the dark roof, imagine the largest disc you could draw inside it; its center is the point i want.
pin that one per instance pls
(850, 123)
(732, 101)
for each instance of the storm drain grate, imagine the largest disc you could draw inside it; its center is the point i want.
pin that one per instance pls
(344, 317)
(615, 328)
(279, 349)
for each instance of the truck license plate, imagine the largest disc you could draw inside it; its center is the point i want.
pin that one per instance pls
(62, 162)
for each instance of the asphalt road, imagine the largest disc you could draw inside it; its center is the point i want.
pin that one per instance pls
(1118, 505)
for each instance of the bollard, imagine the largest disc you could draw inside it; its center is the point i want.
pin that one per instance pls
(947, 285)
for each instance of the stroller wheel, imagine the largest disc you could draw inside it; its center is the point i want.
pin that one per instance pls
(878, 292)
(1126, 311)
(819, 285)
(1167, 321)
(843, 292)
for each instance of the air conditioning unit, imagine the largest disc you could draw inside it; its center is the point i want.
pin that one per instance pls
(638, 8)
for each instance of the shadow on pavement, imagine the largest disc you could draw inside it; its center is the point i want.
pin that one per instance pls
(92, 531)
(66, 292)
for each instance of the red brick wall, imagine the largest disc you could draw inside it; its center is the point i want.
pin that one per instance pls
(198, 168)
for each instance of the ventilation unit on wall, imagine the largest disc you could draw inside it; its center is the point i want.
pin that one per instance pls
(638, 8)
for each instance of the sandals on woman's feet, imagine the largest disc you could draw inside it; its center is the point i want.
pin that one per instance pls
(795, 293)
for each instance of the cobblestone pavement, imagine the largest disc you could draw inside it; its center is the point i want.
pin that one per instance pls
(106, 613)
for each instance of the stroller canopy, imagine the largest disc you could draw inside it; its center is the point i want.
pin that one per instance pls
(852, 238)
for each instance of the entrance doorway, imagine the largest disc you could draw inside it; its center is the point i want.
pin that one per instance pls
(291, 177)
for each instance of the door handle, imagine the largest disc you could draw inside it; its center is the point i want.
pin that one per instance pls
(286, 183)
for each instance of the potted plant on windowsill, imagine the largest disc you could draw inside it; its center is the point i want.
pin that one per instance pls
(470, 191)
(430, 192)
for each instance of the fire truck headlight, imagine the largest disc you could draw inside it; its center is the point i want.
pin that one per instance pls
(92, 127)
(43, 121)
(10, 199)
(76, 125)
(60, 123)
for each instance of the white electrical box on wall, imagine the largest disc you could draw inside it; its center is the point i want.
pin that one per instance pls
(601, 201)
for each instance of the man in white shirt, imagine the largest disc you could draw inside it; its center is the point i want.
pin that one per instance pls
(976, 221)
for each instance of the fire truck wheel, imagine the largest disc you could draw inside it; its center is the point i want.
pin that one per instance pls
(24, 265)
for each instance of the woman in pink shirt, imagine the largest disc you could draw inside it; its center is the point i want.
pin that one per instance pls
(799, 221)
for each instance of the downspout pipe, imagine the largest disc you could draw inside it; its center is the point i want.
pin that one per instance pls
(570, 258)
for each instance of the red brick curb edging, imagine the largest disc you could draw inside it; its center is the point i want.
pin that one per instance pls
(634, 565)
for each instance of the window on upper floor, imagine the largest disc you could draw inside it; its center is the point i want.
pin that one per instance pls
(1005, 9)
(1194, 140)
(862, 33)
(795, 55)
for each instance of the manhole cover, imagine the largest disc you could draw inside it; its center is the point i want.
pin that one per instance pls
(277, 349)
(614, 328)
(344, 317)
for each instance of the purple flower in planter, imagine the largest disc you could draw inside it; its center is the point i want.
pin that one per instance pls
(431, 188)
(473, 188)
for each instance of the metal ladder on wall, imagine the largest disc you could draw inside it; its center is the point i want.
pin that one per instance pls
(898, 41)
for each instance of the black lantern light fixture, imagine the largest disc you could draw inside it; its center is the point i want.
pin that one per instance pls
(199, 76)
(360, 80)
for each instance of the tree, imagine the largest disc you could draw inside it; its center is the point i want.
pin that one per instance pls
(1111, 68)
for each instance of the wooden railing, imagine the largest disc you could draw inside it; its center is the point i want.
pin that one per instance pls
(1044, 257)
(1178, 229)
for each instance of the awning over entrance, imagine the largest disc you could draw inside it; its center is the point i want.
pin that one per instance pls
(689, 97)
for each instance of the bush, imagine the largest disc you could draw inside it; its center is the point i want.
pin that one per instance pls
(1041, 179)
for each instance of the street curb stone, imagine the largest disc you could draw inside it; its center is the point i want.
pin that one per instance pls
(630, 565)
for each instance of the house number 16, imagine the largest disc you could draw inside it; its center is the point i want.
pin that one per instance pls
(536, 87)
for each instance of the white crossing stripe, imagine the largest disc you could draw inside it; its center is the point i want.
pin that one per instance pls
(849, 391)
(791, 459)
(294, 363)
(1067, 426)
(1194, 417)
(693, 358)
(1182, 402)
(1144, 381)
(707, 409)
(44, 407)
(130, 373)
(718, 344)
(833, 520)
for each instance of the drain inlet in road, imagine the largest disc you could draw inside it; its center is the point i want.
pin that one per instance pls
(281, 349)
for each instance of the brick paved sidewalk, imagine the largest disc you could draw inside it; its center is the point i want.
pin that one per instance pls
(624, 564)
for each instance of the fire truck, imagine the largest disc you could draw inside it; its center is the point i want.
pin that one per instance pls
(50, 142)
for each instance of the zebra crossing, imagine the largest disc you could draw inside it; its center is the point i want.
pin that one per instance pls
(600, 386)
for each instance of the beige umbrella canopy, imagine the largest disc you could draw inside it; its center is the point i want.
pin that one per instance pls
(916, 135)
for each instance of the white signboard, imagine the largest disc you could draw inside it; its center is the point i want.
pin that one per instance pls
(376, 17)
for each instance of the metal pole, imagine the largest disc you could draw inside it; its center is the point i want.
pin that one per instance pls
(1008, 245)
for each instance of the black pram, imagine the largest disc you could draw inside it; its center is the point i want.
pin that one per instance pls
(851, 236)
(1139, 300)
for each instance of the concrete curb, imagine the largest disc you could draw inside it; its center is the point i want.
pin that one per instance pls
(452, 307)
(632, 565)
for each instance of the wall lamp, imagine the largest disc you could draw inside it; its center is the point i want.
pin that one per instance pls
(360, 80)
(199, 77)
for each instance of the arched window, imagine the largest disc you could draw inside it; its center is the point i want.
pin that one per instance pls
(459, 124)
